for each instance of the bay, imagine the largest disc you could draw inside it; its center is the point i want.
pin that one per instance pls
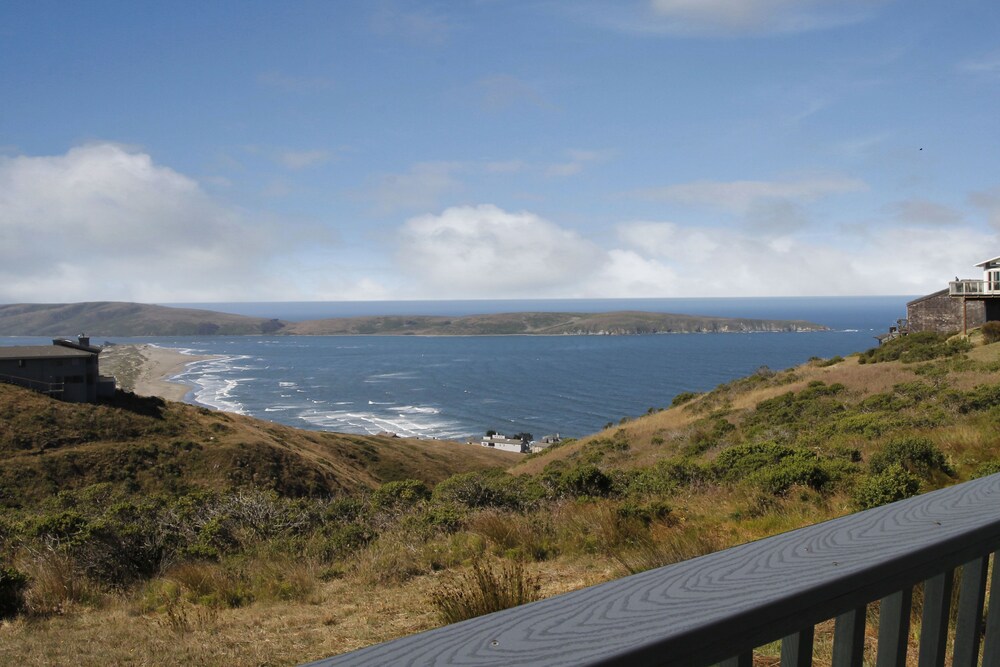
(458, 387)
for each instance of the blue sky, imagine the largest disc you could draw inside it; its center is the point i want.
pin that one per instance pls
(214, 151)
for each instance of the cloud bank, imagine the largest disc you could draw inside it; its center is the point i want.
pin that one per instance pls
(106, 222)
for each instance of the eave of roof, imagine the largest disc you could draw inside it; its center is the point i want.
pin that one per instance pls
(42, 352)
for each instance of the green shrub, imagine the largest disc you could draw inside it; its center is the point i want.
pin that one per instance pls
(891, 484)
(585, 480)
(982, 397)
(914, 347)
(915, 454)
(401, 495)
(684, 397)
(490, 488)
(740, 461)
(986, 469)
(790, 472)
(991, 332)
(12, 586)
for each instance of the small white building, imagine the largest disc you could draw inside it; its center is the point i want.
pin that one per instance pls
(544, 443)
(502, 442)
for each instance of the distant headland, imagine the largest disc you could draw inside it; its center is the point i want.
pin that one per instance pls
(107, 318)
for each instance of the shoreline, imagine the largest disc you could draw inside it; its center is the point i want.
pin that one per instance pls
(146, 369)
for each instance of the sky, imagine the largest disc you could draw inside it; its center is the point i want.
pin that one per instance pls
(264, 151)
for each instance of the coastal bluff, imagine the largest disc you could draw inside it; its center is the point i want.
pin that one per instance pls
(135, 319)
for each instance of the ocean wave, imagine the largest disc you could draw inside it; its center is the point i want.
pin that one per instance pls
(371, 423)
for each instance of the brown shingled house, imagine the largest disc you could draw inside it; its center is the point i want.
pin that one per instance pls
(66, 369)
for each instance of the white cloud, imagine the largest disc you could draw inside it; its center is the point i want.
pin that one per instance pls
(756, 16)
(725, 262)
(740, 196)
(501, 92)
(105, 222)
(420, 27)
(578, 161)
(419, 188)
(296, 160)
(988, 201)
(924, 212)
(484, 251)
(988, 64)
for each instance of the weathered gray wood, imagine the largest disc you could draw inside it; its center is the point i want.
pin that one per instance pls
(849, 639)
(894, 628)
(934, 620)
(991, 642)
(708, 609)
(797, 649)
(968, 625)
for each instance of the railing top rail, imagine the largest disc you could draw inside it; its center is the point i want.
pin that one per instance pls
(703, 610)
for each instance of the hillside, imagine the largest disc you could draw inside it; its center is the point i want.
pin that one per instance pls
(106, 318)
(248, 577)
(150, 446)
(616, 323)
(135, 319)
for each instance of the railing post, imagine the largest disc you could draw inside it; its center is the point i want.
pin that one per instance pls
(970, 613)
(934, 623)
(849, 638)
(797, 649)
(991, 643)
(894, 628)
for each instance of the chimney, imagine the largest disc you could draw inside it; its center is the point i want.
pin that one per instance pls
(84, 340)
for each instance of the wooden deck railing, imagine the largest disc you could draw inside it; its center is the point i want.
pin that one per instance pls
(719, 607)
(54, 389)
(974, 288)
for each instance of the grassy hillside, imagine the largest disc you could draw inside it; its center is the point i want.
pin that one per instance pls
(125, 319)
(251, 577)
(545, 324)
(150, 446)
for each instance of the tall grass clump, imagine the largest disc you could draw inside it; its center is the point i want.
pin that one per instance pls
(488, 586)
(991, 332)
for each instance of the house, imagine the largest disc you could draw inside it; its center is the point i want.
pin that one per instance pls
(502, 442)
(544, 443)
(67, 370)
(966, 303)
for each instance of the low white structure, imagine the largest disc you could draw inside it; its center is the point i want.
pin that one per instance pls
(502, 442)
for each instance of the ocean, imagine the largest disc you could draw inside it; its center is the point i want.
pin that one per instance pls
(458, 387)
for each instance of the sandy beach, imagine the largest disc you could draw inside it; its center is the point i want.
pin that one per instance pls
(145, 369)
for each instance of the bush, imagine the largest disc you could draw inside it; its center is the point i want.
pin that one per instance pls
(991, 332)
(489, 586)
(892, 484)
(400, 496)
(914, 454)
(12, 586)
(914, 347)
(491, 488)
(740, 461)
(585, 480)
(986, 469)
(684, 397)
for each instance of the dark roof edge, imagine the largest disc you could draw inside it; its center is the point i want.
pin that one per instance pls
(929, 296)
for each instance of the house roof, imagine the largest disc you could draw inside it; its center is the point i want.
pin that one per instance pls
(989, 261)
(42, 352)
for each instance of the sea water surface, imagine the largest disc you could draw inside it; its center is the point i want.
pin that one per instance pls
(458, 387)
